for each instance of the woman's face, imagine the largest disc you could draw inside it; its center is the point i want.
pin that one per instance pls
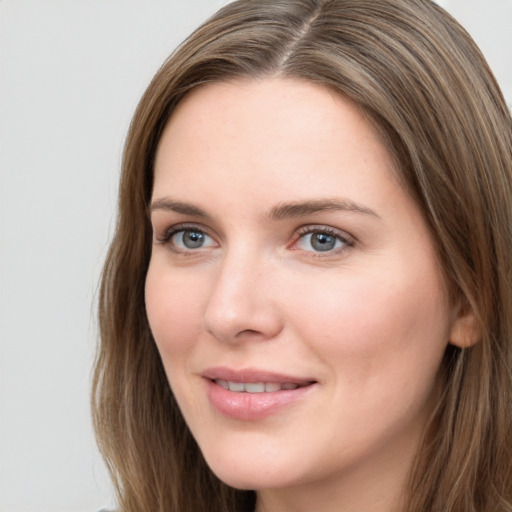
(290, 266)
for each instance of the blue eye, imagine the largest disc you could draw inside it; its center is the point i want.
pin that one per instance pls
(322, 241)
(190, 239)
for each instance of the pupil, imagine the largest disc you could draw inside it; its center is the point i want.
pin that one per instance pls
(193, 239)
(323, 241)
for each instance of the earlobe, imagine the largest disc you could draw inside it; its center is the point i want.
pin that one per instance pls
(466, 330)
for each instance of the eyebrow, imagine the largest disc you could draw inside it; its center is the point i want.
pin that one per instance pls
(303, 208)
(176, 206)
(279, 212)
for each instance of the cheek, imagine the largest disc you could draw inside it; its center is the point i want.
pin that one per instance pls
(173, 307)
(381, 322)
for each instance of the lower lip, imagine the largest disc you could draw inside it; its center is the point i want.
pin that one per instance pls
(252, 406)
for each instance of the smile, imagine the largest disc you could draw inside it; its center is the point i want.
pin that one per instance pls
(253, 395)
(256, 387)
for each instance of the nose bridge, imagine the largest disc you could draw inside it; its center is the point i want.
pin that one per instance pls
(241, 302)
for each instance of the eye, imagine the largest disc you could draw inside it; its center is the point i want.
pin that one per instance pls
(184, 239)
(322, 240)
(191, 239)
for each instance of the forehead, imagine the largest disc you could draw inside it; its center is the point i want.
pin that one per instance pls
(263, 128)
(294, 106)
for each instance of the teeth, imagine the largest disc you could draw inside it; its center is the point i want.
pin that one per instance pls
(255, 387)
(236, 386)
(222, 383)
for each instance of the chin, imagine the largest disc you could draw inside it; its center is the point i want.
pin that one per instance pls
(246, 471)
(260, 470)
(249, 480)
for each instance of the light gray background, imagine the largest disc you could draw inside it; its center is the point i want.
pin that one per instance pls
(71, 73)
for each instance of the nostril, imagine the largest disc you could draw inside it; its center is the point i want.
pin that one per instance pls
(248, 331)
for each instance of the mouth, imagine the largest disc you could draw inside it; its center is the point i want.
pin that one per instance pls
(258, 387)
(253, 395)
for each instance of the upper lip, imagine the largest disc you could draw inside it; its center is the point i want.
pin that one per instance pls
(251, 375)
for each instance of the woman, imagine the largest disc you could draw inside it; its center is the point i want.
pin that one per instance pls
(307, 304)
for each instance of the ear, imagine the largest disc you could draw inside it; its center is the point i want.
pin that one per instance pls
(466, 330)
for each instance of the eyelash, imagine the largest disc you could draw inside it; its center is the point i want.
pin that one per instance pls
(302, 232)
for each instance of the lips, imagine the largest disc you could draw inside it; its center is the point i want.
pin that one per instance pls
(253, 376)
(251, 395)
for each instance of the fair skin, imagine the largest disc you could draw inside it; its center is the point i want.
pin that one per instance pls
(287, 252)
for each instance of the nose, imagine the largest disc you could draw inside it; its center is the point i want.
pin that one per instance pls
(243, 302)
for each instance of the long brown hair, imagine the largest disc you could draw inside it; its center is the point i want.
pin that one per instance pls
(421, 80)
